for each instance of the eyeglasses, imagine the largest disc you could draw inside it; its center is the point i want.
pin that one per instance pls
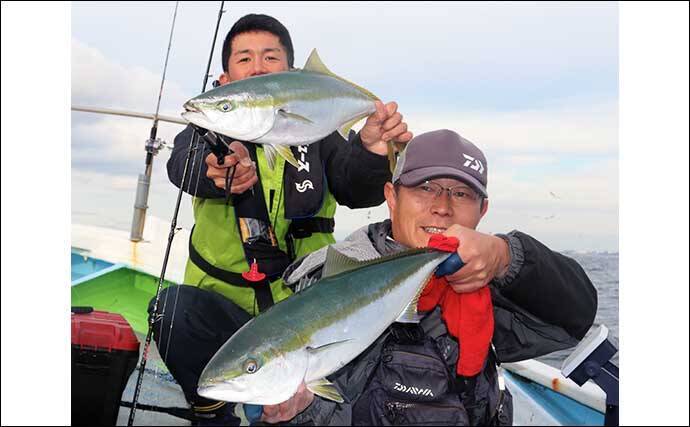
(459, 194)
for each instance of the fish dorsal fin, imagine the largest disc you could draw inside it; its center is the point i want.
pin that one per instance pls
(337, 262)
(314, 64)
(272, 151)
(325, 389)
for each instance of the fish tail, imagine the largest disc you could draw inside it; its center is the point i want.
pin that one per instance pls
(391, 156)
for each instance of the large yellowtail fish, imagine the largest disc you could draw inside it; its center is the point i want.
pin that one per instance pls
(318, 330)
(279, 110)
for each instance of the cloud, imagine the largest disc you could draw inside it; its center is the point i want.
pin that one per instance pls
(570, 127)
(494, 56)
(102, 82)
(478, 38)
(477, 53)
(571, 210)
(546, 177)
(570, 151)
(107, 199)
(114, 143)
(104, 181)
(101, 142)
(533, 85)
(595, 188)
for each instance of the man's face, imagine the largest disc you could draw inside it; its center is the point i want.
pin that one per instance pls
(253, 54)
(416, 212)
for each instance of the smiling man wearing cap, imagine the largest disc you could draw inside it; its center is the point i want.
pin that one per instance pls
(439, 186)
(514, 299)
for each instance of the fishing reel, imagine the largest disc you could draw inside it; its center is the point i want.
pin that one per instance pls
(221, 148)
(154, 145)
(217, 143)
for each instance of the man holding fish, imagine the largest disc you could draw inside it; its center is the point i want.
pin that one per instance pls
(374, 337)
(293, 159)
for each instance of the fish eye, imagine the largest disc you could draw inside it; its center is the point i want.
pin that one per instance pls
(250, 366)
(225, 106)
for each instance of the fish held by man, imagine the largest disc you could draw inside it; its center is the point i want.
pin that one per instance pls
(279, 110)
(320, 329)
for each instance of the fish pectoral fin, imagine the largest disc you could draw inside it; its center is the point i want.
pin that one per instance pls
(288, 115)
(272, 151)
(316, 348)
(286, 153)
(325, 389)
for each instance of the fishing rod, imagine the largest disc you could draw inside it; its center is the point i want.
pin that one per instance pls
(128, 113)
(153, 145)
(183, 413)
(171, 235)
(219, 146)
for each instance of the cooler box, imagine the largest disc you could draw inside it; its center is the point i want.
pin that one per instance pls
(105, 351)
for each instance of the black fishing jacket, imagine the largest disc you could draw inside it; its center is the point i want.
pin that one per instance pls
(545, 303)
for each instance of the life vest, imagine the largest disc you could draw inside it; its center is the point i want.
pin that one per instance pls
(288, 214)
(413, 382)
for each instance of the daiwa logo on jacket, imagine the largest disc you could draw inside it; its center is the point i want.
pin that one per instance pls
(413, 390)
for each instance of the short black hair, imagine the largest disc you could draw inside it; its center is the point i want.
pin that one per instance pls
(257, 22)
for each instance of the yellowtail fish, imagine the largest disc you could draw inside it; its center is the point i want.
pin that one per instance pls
(279, 110)
(318, 330)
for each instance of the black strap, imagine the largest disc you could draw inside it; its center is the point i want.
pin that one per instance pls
(262, 289)
(407, 333)
(251, 204)
(303, 228)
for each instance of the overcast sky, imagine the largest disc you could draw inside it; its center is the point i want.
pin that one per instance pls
(535, 85)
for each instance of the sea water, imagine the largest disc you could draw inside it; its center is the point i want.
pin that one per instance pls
(602, 269)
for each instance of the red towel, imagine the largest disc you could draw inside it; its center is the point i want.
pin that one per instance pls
(468, 316)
